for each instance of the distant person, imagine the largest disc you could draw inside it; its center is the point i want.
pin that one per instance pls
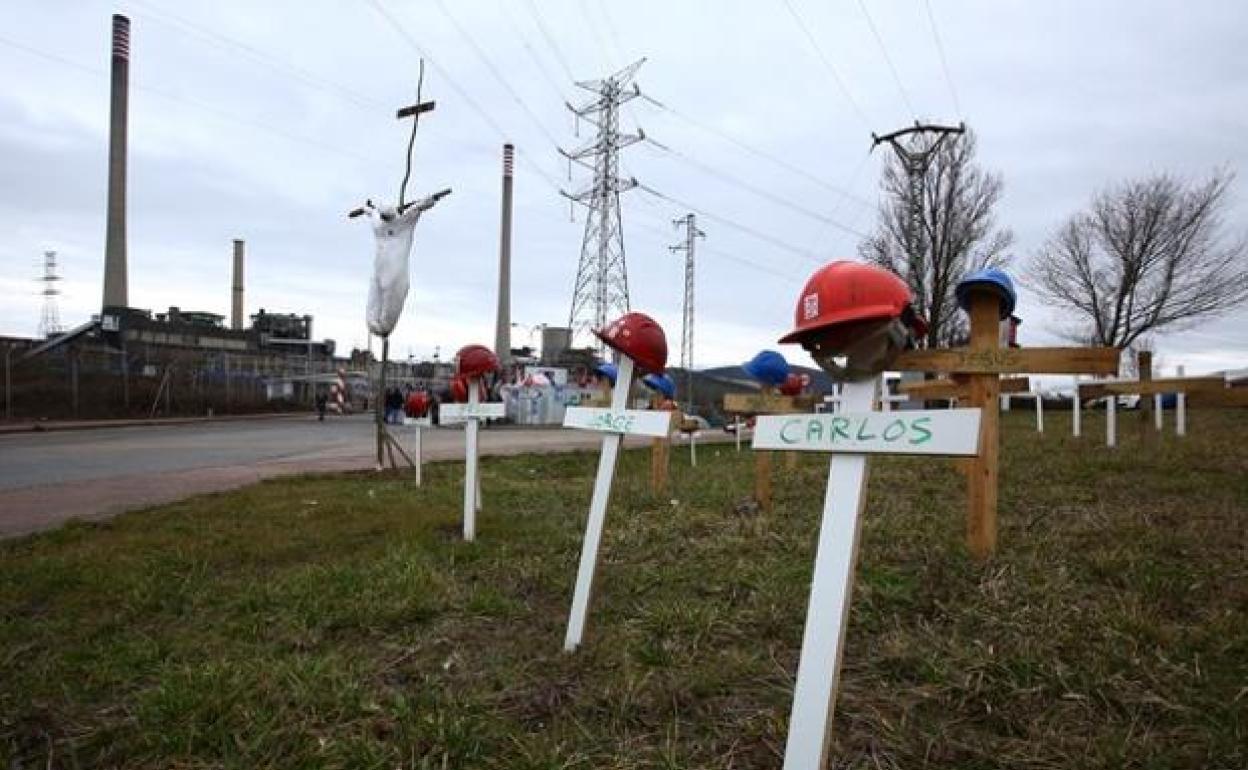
(322, 403)
(394, 406)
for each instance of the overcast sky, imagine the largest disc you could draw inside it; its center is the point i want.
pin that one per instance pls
(268, 121)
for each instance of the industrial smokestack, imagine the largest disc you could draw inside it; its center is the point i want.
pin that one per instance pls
(502, 329)
(236, 308)
(115, 293)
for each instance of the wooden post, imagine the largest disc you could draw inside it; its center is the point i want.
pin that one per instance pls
(597, 512)
(981, 524)
(420, 455)
(762, 479)
(1180, 410)
(472, 492)
(658, 456)
(1144, 373)
(1076, 411)
(1111, 420)
(380, 398)
(1039, 413)
(736, 425)
(658, 466)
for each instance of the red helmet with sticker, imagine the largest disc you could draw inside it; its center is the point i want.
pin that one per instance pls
(844, 293)
(639, 337)
(475, 361)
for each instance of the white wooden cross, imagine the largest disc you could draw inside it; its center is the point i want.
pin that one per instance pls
(614, 422)
(1036, 396)
(419, 424)
(737, 425)
(471, 413)
(852, 434)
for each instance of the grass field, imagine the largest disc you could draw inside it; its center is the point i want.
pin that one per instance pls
(338, 622)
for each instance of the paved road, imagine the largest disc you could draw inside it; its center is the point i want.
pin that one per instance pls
(48, 478)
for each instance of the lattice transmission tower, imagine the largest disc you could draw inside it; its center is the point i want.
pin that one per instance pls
(692, 234)
(50, 321)
(601, 288)
(915, 158)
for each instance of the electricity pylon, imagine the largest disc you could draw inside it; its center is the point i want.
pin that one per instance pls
(50, 322)
(692, 234)
(601, 288)
(915, 159)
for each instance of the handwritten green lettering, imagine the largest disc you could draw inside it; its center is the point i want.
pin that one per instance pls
(838, 427)
(861, 427)
(784, 435)
(901, 428)
(920, 426)
(814, 430)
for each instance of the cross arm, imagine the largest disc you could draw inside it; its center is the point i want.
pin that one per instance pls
(1010, 360)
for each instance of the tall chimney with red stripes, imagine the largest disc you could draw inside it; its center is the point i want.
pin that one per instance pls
(115, 293)
(502, 328)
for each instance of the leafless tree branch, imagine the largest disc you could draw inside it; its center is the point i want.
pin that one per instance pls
(1146, 255)
(957, 232)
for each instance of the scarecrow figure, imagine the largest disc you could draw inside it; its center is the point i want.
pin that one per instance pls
(393, 228)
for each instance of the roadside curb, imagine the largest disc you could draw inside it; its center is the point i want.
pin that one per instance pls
(54, 426)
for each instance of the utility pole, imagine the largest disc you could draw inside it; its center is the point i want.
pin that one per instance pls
(692, 234)
(915, 158)
(601, 288)
(50, 322)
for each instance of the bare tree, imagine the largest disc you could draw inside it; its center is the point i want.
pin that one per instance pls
(1146, 255)
(955, 232)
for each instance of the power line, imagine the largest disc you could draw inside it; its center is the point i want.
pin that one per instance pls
(615, 38)
(745, 261)
(223, 42)
(218, 112)
(463, 94)
(603, 55)
(472, 43)
(550, 40)
(849, 183)
(888, 59)
(944, 63)
(776, 199)
(780, 162)
(550, 79)
(827, 64)
(727, 222)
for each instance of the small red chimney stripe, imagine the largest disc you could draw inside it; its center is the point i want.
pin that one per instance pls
(121, 37)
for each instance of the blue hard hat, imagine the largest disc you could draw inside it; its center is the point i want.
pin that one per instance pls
(607, 370)
(768, 367)
(660, 382)
(988, 278)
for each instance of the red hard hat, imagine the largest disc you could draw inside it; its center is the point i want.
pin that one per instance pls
(417, 404)
(843, 293)
(792, 385)
(639, 337)
(459, 390)
(475, 361)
